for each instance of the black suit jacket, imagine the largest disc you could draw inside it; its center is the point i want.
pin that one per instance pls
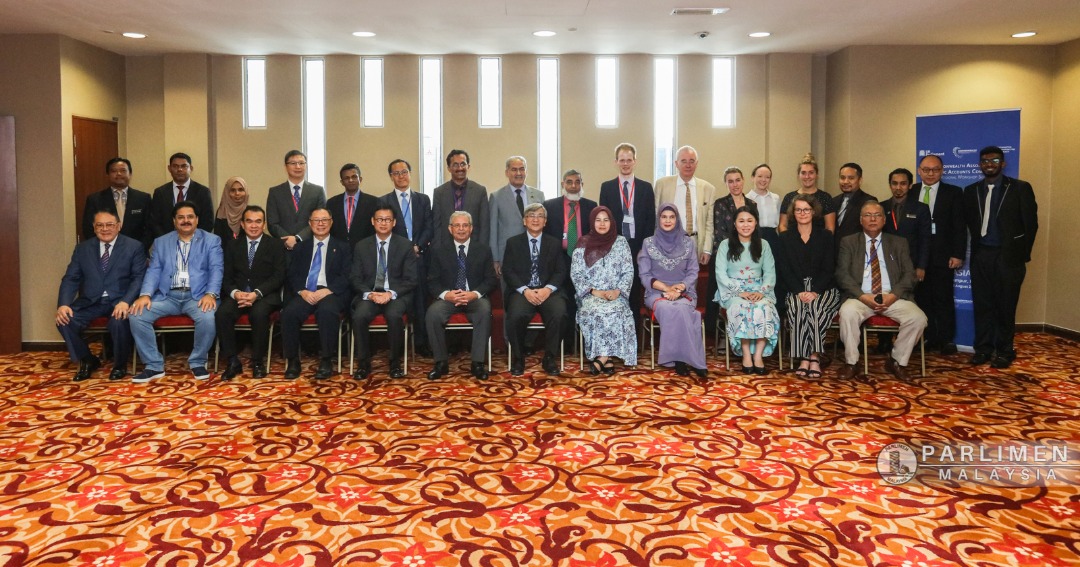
(913, 224)
(267, 272)
(1017, 217)
(162, 202)
(338, 260)
(948, 234)
(136, 221)
(401, 267)
(517, 263)
(479, 268)
(84, 282)
(644, 210)
(476, 204)
(423, 223)
(851, 223)
(363, 210)
(790, 256)
(554, 208)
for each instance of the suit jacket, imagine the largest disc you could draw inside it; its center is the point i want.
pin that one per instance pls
(703, 209)
(161, 205)
(914, 225)
(644, 210)
(205, 265)
(337, 257)
(851, 260)
(948, 233)
(554, 266)
(363, 209)
(791, 256)
(479, 268)
(84, 277)
(267, 271)
(1017, 217)
(851, 224)
(476, 203)
(506, 220)
(420, 208)
(282, 216)
(554, 208)
(136, 221)
(401, 266)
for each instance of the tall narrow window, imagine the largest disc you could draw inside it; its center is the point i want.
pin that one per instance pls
(547, 126)
(254, 92)
(723, 92)
(371, 92)
(490, 92)
(607, 92)
(430, 123)
(314, 125)
(663, 116)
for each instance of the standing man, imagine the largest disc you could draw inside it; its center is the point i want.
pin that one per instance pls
(182, 188)
(383, 278)
(633, 212)
(568, 215)
(911, 219)
(184, 277)
(694, 197)
(106, 273)
(413, 220)
(508, 208)
(462, 275)
(460, 194)
(254, 274)
(850, 201)
(948, 245)
(130, 205)
(1002, 219)
(289, 205)
(352, 209)
(318, 279)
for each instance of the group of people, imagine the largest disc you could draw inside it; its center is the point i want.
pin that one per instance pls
(604, 265)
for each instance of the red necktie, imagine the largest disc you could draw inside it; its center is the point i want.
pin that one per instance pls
(179, 193)
(349, 213)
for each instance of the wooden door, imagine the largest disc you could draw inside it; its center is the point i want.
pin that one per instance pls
(10, 293)
(95, 143)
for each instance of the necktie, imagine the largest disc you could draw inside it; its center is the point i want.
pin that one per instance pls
(251, 252)
(571, 229)
(626, 207)
(405, 213)
(380, 272)
(296, 197)
(459, 199)
(843, 209)
(986, 208)
(105, 259)
(689, 211)
(926, 194)
(349, 213)
(520, 203)
(316, 265)
(460, 282)
(534, 271)
(121, 203)
(179, 193)
(875, 269)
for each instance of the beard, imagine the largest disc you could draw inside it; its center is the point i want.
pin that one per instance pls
(572, 196)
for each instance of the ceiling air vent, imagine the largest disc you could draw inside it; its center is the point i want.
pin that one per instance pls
(698, 11)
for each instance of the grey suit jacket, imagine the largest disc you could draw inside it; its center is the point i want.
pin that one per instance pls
(476, 204)
(506, 220)
(851, 261)
(283, 218)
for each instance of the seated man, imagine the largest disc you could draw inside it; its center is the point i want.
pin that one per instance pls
(535, 270)
(184, 276)
(875, 276)
(254, 273)
(106, 272)
(384, 278)
(318, 279)
(461, 274)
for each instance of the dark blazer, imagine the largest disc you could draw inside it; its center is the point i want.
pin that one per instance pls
(476, 204)
(423, 223)
(400, 266)
(554, 208)
(517, 264)
(282, 217)
(162, 202)
(127, 264)
(336, 257)
(1017, 217)
(948, 234)
(363, 210)
(914, 225)
(724, 218)
(852, 259)
(644, 210)
(791, 257)
(136, 221)
(267, 271)
(851, 223)
(479, 268)
(224, 231)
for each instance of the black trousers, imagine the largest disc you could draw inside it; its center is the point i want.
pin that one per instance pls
(364, 311)
(327, 316)
(934, 295)
(478, 312)
(518, 314)
(259, 317)
(995, 292)
(80, 320)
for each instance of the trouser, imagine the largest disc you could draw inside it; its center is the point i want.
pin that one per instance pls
(478, 312)
(934, 295)
(912, 322)
(258, 315)
(364, 311)
(119, 330)
(327, 317)
(175, 303)
(995, 292)
(518, 314)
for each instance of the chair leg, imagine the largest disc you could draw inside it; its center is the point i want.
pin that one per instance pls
(865, 351)
(352, 346)
(270, 345)
(406, 349)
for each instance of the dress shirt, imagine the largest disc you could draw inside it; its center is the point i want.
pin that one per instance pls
(247, 242)
(933, 195)
(680, 200)
(886, 285)
(101, 252)
(538, 238)
(566, 218)
(183, 260)
(456, 244)
(321, 281)
(408, 199)
(176, 191)
(768, 206)
(386, 282)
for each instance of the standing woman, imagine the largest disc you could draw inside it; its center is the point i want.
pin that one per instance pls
(745, 278)
(806, 261)
(808, 176)
(602, 270)
(668, 268)
(768, 203)
(234, 199)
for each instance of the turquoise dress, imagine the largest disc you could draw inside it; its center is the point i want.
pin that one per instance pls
(746, 320)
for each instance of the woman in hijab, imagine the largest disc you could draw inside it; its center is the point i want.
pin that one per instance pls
(230, 211)
(602, 270)
(668, 268)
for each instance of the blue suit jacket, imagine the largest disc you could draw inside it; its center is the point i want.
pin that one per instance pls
(127, 264)
(206, 265)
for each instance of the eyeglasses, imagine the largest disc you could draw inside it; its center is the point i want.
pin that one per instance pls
(401, 173)
(461, 165)
(536, 216)
(990, 160)
(797, 211)
(104, 225)
(873, 215)
(383, 219)
(930, 169)
(321, 220)
(461, 225)
(294, 163)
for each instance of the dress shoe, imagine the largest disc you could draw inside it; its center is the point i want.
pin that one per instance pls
(292, 369)
(326, 369)
(517, 368)
(117, 373)
(396, 371)
(363, 370)
(87, 367)
(893, 367)
(948, 348)
(681, 369)
(233, 370)
(479, 370)
(439, 370)
(980, 358)
(258, 370)
(550, 365)
(847, 371)
(701, 372)
(1001, 362)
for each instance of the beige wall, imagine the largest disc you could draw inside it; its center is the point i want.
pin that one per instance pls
(1061, 207)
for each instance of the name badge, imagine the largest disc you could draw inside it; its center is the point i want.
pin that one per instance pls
(182, 278)
(933, 228)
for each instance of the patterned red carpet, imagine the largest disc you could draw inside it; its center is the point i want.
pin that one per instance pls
(641, 468)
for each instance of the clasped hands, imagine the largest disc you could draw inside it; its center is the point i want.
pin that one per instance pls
(674, 292)
(752, 296)
(537, 296)
(460, 297)
(606, 294)
(887, 299)
(313, 297)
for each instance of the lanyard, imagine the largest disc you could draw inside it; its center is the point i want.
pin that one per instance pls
(627, 199)
(183, 257)
(892, 213)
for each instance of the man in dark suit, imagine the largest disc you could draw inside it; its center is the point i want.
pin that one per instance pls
(460, 194)
(571, 210)
(318, 282)
(849, 202)
(633, 212)
(182, 188)
(535, 272)
(106, 273)
(948, 246)
(352, 209)
(383, 279)
(289, 205)
(130, 204)
(911, 219)
(461, 276)
(1002, 219)
(507, 208)
(875, 276)
(254, 274)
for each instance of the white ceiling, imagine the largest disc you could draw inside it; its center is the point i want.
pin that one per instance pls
(318, 27)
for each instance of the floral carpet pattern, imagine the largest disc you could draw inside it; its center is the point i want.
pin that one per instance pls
(643, 468)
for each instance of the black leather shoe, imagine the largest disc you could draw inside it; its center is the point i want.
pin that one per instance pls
(681, 369)
(847, 372)
(980, 358)
(87, 366)
(760, 370)
(292, 369)
(517, 368)
(701, 372)
(948, 348)
(362, 371)
(258, 370)
(117, 373)
(396, 371)
(326, 369)
(479, 370)
(551, 366)
(439, 370)
(233, 370)
(1001, 362)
